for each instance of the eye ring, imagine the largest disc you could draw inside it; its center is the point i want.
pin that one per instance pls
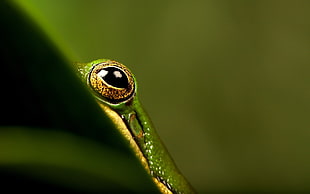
(112, 82)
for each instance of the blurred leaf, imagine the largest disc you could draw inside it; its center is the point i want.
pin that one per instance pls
(67, 159)
(69, 141)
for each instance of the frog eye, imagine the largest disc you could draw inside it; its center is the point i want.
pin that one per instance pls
(112, 81)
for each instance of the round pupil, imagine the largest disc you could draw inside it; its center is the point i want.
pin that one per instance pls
(114, 77)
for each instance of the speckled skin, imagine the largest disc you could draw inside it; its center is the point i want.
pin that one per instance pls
(160, 165)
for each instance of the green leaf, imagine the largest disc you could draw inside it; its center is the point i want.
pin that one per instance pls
(54, 135)
(67, 159)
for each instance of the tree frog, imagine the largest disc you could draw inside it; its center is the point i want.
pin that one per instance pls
(115, 89)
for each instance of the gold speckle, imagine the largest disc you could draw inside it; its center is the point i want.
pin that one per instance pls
(108, 92)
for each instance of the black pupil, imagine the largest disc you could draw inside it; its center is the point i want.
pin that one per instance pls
(114, 77)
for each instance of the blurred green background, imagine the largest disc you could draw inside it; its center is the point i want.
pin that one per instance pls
(226, 83)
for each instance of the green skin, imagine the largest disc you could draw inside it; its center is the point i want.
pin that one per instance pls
(159, 161)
